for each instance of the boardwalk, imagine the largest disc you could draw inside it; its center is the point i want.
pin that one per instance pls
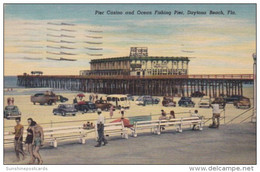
(232, 144)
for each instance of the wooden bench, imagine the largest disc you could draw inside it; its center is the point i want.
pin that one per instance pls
(156, 125)
(140, 125)
(55, 135)
(113, 129)
(180, 122)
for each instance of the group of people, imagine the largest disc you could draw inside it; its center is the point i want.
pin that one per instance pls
(88, 125)
(49, 93)
(164, 115)
(10, 101)
(93, 98)
(215, 116)
(34, 140)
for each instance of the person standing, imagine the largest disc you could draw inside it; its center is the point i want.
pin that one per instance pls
(90, 98)
(100, 129)
(93, 98)
(75, 101)
(29, 139)
(195, 114)
(18, 139)
(111, 113)
(216, 115)
(12, 100)
(38, 138)
(9, 101)
(122, 112)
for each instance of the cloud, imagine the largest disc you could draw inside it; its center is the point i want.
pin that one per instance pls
(216, 42)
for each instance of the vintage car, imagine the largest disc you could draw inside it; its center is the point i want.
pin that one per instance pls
(103, 105)
(220, 101)
(186, 102)
(130, 97)
(118, 100)
(197, 94)
(146, 100)
(62, 99)
(85, 107)
(243, 103)
(11, 111)
(168, 101)
(205, 101)
(65, 109)
(42, 98)
(233, 98)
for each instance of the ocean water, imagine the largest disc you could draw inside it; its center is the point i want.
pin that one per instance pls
(10, 82)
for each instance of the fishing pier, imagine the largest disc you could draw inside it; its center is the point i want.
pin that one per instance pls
(141, 74)
(168, 85)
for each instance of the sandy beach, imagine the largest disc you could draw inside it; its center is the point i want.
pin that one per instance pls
(43, 113)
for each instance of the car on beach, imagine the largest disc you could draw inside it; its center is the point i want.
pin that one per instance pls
(233, 98)
(186, 102)
(130, 97)
(85, 107)
(103, 105)
(220, 101)
(118, 101)
(43, 98)
(11, 111)
(65, 109)
(146, 100)
(243, 103)
(197, 94)
(205, 102)
(168, 101)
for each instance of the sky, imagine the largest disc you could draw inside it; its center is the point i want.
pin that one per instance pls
(217, 44)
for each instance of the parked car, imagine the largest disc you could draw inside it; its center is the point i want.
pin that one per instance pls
(62, 99)
(243, 103)
(186, 102)
(168, 101)
(42, 99)
(146, 100)
(118, 101)
(220, 101)
(85, 107)
(197, 94)
(103, 105)
(11, 111)
(65, 109)
(130, 97)
(233, 98)
(205, 101)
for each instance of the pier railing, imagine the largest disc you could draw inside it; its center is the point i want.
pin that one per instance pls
(55, 123)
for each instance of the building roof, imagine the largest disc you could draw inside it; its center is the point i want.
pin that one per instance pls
(126, 58)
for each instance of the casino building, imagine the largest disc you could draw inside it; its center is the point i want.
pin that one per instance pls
(138, 63)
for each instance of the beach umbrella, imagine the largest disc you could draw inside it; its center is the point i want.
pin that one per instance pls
(81, 95)
(125, 121)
